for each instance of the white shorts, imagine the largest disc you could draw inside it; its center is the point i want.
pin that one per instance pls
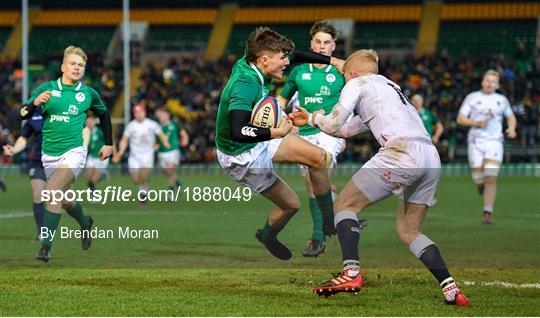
(165, 158)
(73, 159)
(253, 168)
(333, 145)
(93, 162)
(479, 151)
(408, 168)
(140, 160)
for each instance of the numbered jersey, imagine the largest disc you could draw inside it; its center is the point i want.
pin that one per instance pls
(383, 108)
(479, 106)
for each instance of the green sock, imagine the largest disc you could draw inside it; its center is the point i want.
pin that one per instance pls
(269, 232)
(326, 204)
(50, 221)
(316, 216)
(77, 213)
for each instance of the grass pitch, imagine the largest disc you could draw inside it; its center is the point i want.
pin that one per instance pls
(206, 260)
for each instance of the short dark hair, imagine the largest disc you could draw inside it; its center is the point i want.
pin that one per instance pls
(324, 26)
(266, 39)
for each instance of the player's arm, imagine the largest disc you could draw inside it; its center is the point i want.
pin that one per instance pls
(331, 123)
(86, 136)
(463, 115)
(163, 138)
(121, 148)
(184, 138)
(511, 120)
(101, 111)
(39, 98)
(300, 57)
(351, 128)
(244, 95)
(19, 145)
(439, 128)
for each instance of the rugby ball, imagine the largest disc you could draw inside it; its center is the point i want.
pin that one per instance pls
(266, 113)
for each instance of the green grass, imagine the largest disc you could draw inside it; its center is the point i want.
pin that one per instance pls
(206, 261)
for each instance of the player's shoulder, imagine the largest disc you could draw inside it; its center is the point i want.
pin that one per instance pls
(500, 96)
(474, 95)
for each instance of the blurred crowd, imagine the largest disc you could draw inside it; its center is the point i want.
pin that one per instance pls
(190, 88)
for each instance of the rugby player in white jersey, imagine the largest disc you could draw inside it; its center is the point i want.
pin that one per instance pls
(483, 111)
(407, 165)
(141, 134)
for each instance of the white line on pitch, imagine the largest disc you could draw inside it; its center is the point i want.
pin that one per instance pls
(503, 284)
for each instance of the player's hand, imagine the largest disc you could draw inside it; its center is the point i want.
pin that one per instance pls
(285, 127)
(8, 150)
(300, 116)
(338, 63)
(42, 98)
(116, 158)
(480, 123)
(510, 133)
(435, 140)
(105, 152)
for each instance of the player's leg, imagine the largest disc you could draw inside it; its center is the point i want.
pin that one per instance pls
(75, 210)
(316, 245)
(491, 171)
(287, 204)
(38, 207)
(476, 158)
(349, 202)
(294, 149)
(408, 221)
(90, 177)
(59, 177)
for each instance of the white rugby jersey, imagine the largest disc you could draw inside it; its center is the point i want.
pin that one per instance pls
(479, 106)
(142, 135)
(383, 108)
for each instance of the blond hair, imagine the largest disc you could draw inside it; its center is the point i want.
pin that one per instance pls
(365, 55)
(75, 50)
(493, 73)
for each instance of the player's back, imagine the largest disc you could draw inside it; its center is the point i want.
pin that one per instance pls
(386, 111)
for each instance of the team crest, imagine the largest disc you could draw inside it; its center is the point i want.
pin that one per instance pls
(80, 97)
(330, 78)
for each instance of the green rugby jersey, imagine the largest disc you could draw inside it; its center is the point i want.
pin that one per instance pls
(97, 140)
(318, 88)
(65, 113)
(171, 130)
(246, 86)
(429, 119)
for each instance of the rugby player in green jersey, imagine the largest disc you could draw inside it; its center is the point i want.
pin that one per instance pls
(318, 87)
(429, 119)
(247, 152)
(169, 157)
(95, 167)
(64, 104)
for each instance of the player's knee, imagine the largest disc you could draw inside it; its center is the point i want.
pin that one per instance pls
(323, 160)
(406, 233)
(491, 170)
(478, 176)
(490, 180)
(294, 206)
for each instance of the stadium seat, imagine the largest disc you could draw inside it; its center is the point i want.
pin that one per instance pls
(387, 35)
(53, 40)
(482, 37)
(191, 38)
